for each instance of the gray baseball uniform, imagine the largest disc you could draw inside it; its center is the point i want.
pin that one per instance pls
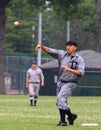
(34, 76)
(67, 80)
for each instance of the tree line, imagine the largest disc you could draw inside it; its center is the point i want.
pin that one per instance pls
(84, 25)
(84, 16)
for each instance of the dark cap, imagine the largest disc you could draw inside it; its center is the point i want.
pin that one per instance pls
(71, 42)
(34, 62)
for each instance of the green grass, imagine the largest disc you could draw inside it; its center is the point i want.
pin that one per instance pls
(16, 114)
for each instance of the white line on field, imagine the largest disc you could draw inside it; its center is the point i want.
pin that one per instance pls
(89, 124)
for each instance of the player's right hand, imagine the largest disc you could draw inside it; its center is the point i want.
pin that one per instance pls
(27, 86)
(38, 47)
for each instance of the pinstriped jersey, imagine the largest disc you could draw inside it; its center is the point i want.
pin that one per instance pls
(64, 58)
(34, 75)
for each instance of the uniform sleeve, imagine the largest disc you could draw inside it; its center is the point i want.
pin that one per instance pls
(53, 53)
(27, 75)
(41, 74)
(81, 66)
(56, 53)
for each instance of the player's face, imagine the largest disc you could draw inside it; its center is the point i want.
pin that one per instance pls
(71, 49)
(34, 65)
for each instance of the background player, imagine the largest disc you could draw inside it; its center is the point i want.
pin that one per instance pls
(71, 66)
(34, 79)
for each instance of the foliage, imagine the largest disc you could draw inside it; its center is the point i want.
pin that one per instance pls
(3, 3)
(87, 15)
(54, 33)
(51, 31)
(66, 8)
(86, 28)
(19, 39)
(39, 5)
(55, 14)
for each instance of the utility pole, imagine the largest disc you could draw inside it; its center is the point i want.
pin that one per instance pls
(39, 38)
(68, 30)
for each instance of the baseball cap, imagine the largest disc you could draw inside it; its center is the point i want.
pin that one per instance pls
(71, 42)
(34, 62)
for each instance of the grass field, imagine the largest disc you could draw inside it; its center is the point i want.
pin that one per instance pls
(16, 114)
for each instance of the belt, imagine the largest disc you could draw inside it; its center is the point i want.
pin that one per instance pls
(34, 82)
(68, 81)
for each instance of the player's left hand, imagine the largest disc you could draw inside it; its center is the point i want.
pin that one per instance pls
(42, 84)
(65, 67)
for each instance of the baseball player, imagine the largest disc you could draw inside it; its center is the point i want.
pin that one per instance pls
(71, 66)
(34, 79)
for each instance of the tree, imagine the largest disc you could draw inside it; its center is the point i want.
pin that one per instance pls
(3, 4)
(86, 27)
(19, 39)
(97, 35)
(54, 30)
(66, 8)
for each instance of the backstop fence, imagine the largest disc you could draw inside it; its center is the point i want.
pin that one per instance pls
(16, 66)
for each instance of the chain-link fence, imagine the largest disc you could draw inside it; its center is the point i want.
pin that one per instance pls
(16, 66)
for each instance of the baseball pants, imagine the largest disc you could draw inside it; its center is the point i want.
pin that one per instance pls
(34, 89)
(64, 90)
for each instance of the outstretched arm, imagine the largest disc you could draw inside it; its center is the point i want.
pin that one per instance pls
(52, 52)
(44, 48)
